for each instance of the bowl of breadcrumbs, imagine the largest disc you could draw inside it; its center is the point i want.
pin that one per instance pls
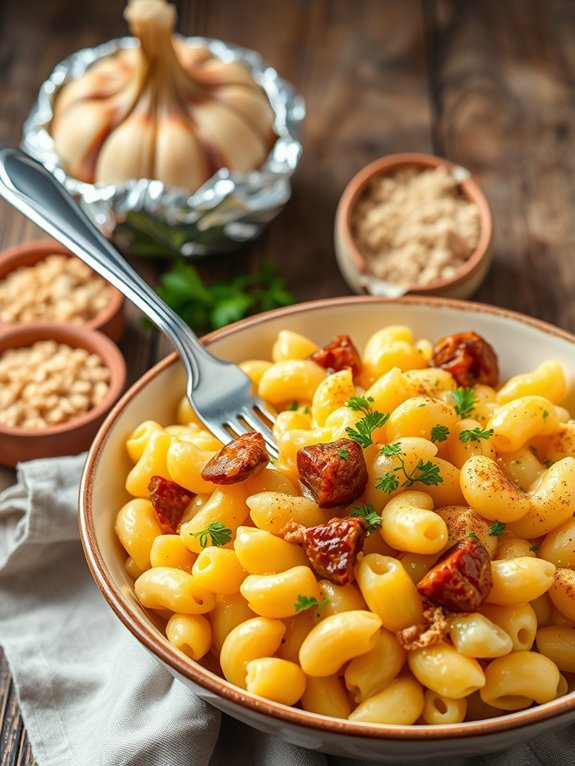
(57, 384)
(413, 223)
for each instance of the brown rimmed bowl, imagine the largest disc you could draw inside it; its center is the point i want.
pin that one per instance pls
(155, 396)
(110, 320)
(73, 436)
(352, 265)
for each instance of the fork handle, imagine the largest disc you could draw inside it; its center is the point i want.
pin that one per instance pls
(36, 193)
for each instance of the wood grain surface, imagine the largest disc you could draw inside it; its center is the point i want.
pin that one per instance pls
(490, 85)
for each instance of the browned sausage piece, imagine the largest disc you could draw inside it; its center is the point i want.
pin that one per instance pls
(237, 460)
(170, 501)
(468, 357)
(337, 355)
(332, 547)
(333, 474)
(461, 580)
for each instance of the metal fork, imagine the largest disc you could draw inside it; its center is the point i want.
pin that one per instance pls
(219, 392)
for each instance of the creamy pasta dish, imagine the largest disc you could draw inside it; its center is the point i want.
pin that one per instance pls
(409, 558)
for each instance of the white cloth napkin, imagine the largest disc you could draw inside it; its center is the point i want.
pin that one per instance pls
(90, 694)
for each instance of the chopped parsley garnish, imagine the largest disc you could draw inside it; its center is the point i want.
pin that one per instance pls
(427, 473)
(306, 410)
(439, 433)
(364, 428)
(368, 513)
(464, 401)
(343, 452)
(548, 463)
(308, 602)
(391, 449)
(218, 532)
(545, 414)
(496, 529)
(293, 406)
(475, 434)
(534, 548)
(371, 420)
(472, 534)
(360, 403)
(387, 483)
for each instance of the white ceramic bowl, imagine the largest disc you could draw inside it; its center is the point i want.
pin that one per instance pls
(521, 344)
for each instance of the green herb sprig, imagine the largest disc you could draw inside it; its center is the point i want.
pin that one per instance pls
(424, 472)
(464, 401)
(496, 529)
(475, 434)
(367, 512)
(308, 602)
(363, 430)
(218, 532)
(213, 306)
(439, 433)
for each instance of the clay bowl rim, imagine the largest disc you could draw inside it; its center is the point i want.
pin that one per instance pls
(390, 162)
(75, 336)
(199, 675)
(22, 255)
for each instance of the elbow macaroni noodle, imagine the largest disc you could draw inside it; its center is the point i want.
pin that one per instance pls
(253, 605)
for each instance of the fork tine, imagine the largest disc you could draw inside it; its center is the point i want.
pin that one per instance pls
(254, 422)
(264, 409)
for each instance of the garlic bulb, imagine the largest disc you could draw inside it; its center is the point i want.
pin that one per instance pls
(165, 110)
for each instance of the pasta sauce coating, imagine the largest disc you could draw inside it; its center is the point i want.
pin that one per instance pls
(394, 548)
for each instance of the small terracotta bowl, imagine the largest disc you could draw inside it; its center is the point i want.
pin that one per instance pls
(110, 319)
(354, 268)
(76, 435)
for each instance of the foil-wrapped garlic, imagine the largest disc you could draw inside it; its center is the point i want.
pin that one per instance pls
(165, 110)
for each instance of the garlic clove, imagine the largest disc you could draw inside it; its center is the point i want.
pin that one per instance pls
(191, 56)
(176, 140)
(128, 151)
(240, 148)
(252, 105)
(102, 80)
(214, 72)
(78, 139)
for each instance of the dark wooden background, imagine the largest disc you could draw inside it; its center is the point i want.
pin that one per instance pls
(489, 84)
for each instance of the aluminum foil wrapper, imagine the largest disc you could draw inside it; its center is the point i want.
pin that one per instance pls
(146, 217)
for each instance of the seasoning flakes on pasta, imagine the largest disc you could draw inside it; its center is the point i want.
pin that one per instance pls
(413, 542)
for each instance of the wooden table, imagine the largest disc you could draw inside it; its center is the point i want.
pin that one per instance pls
(490, 85)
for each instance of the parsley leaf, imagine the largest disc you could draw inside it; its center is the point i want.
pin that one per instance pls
(293, 407)
(364, 428)
(213, 306)
(545, 414)
(391, 449)
(219, 534)
(343, 452)
(534, 548)
(388, 482)
(360, 403)
(475, 434)
(496, 529)
(464, 401)
(368, 513)
(307, 602)
(549, 463)
(472, 534)
(439, 433)
(427, 473)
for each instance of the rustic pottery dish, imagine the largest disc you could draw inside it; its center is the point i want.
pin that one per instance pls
(353, 266)
(155, 396)
(110, 320)
(73, 436)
